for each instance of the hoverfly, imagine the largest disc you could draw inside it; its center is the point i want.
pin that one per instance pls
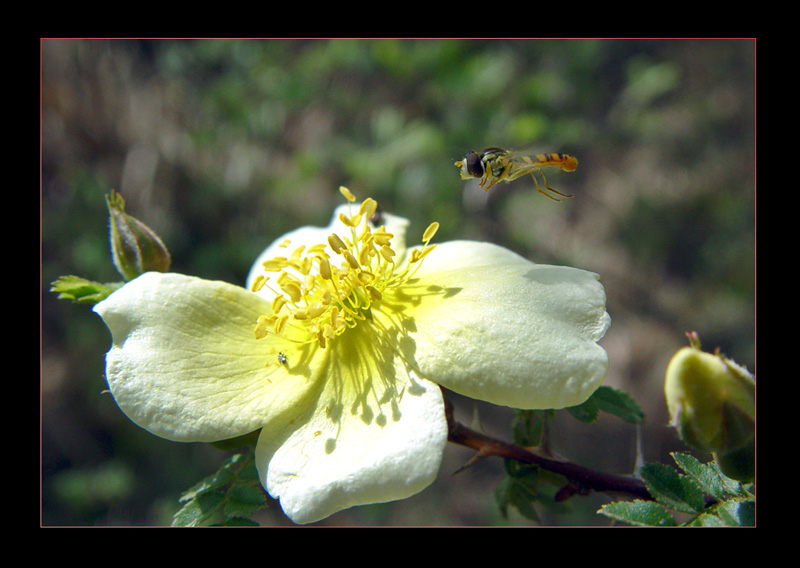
(495, 164)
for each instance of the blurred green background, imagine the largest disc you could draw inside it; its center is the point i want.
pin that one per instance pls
(223, 145)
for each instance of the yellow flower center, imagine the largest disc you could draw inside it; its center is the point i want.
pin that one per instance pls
(319, 295)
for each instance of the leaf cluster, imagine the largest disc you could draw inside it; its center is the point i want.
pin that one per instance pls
(526, 485)
(702, 492)
(82, 291)
(225, 498)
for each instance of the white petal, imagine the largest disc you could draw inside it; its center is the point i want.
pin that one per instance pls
(185, 364)
(377, 435)
(508, 331)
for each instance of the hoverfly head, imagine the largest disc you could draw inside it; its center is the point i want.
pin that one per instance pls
(471, 166)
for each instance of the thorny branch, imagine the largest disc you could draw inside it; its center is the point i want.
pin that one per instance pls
(582, 480)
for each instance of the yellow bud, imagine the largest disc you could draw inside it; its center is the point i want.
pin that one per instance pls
(711, 400)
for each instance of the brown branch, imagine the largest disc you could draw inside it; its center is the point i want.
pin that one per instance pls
(582, 479)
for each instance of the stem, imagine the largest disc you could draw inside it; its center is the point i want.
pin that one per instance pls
(582, 479)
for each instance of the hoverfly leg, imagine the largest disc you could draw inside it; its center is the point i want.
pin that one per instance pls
(547, 186)
(494, 181)
(487, 174)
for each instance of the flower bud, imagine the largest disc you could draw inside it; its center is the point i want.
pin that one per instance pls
(711, 401)
(135, 248)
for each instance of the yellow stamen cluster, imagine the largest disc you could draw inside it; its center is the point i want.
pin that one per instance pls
(321, 294)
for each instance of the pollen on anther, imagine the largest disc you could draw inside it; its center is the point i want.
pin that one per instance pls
(316, 310)
(419, 254)
(293, 290)
(387, 253)
(430, 232)
(275, 264)
(278, 303)
(374, 293)
(259, 283)
(382, 238)
(325, 297)
(336, 243)
(261, 327)
(325, 268)
(280, 323)
(347, 194)
(351, 260)
(368, 207)
(364, 255)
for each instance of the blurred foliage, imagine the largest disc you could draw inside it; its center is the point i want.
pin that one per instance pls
(222, 145)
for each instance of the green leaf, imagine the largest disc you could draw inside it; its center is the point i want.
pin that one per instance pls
(522, 499)
(244, 500)
(610, 400)
(738, 513)
(199, 510)
(618, 403)
(707, 476)
(710, 479)
(528, 426)
(707, 519)
(501, 496)
(82, 291)
(214, 481)
(673, 489)
(519, 491)
(239, 522)
(732, 513)
(586, 412)
(639, 512)
(249, 472)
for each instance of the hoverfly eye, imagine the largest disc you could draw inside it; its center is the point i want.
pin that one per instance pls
(474, 165)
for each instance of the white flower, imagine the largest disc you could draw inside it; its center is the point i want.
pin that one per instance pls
(336, 350)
